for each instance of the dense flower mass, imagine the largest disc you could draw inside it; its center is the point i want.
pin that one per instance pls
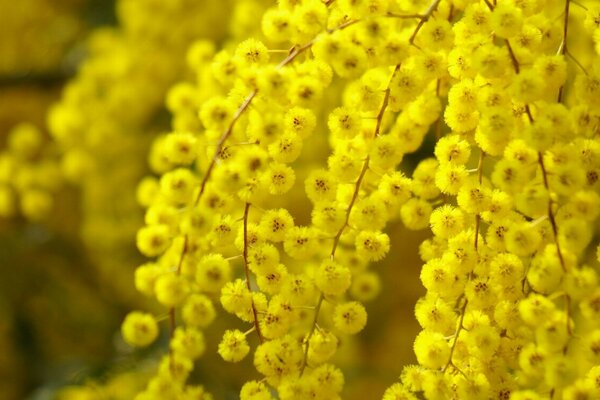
(271, 194)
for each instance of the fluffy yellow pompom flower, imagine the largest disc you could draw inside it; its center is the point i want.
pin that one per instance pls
(332, 278)
(153, 240)
(139, 329)
(372, 245)
(171, 289)
(212, 272)
(198, 310)
(233, 346)
(350, 317)
(431, 349)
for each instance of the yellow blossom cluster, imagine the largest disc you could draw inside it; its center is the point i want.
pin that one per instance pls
(511, 271)
(110, 111)
(29, 174)
(506, 272)
(300, 133)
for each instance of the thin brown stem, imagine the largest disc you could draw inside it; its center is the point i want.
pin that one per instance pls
(576, 61)
(311, 332)
(405, 16)
(357, 185)
(563, 45)
(551, 217)
(296, 51)
(424, 18)
(513, 57)
(456, 334)
(247, 271)
(336, 239)
(221, 143)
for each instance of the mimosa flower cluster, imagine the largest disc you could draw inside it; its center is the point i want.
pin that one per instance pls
(508, 288)
(274, 188)
(108, 115)
(29, 174)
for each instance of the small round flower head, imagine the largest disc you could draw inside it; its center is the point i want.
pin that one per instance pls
(500, 206)
(251, 52)
(139, 329)
(216, 113)
(366, 286)
(254, 390)
(301, 121)
(535, 309)
(436, 33)
(351, 62)
(344, 122)
(522, 239)
(437, 278)
(171, 289)
(506, 19)
(449, 178)
(178, 185)
(431, 349)
(188, 342)
(235, 296)
(145, 278)
(320, 186)
(298, 289)
(506, 268)
(274, 323)
(330, 380)
(305, 91)
(343, 165)
(405, 87)
(153, 240)
(350, 317)
(323, 345)
(460, 120)
(446, 221)
(180, 148)
(233, 346)
(332, 278)
(415, 213)
(328, 217)
(300, 242)
(372, 245)
(474, 198)
(479, 293)
(287, 148)
(435, 314)
(452, 149)
(398, 391)
(263, 259)
(279, 178)
(395, 187)
(310, 17)
(275, 224)
(198, 311)
(368, 213)
(277, 25)
(527, 86)
(494, 130)
(212, 272)
(272, 282)
(385, 152)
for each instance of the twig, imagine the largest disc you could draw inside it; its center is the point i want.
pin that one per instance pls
(247, 271)
(339, 233)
